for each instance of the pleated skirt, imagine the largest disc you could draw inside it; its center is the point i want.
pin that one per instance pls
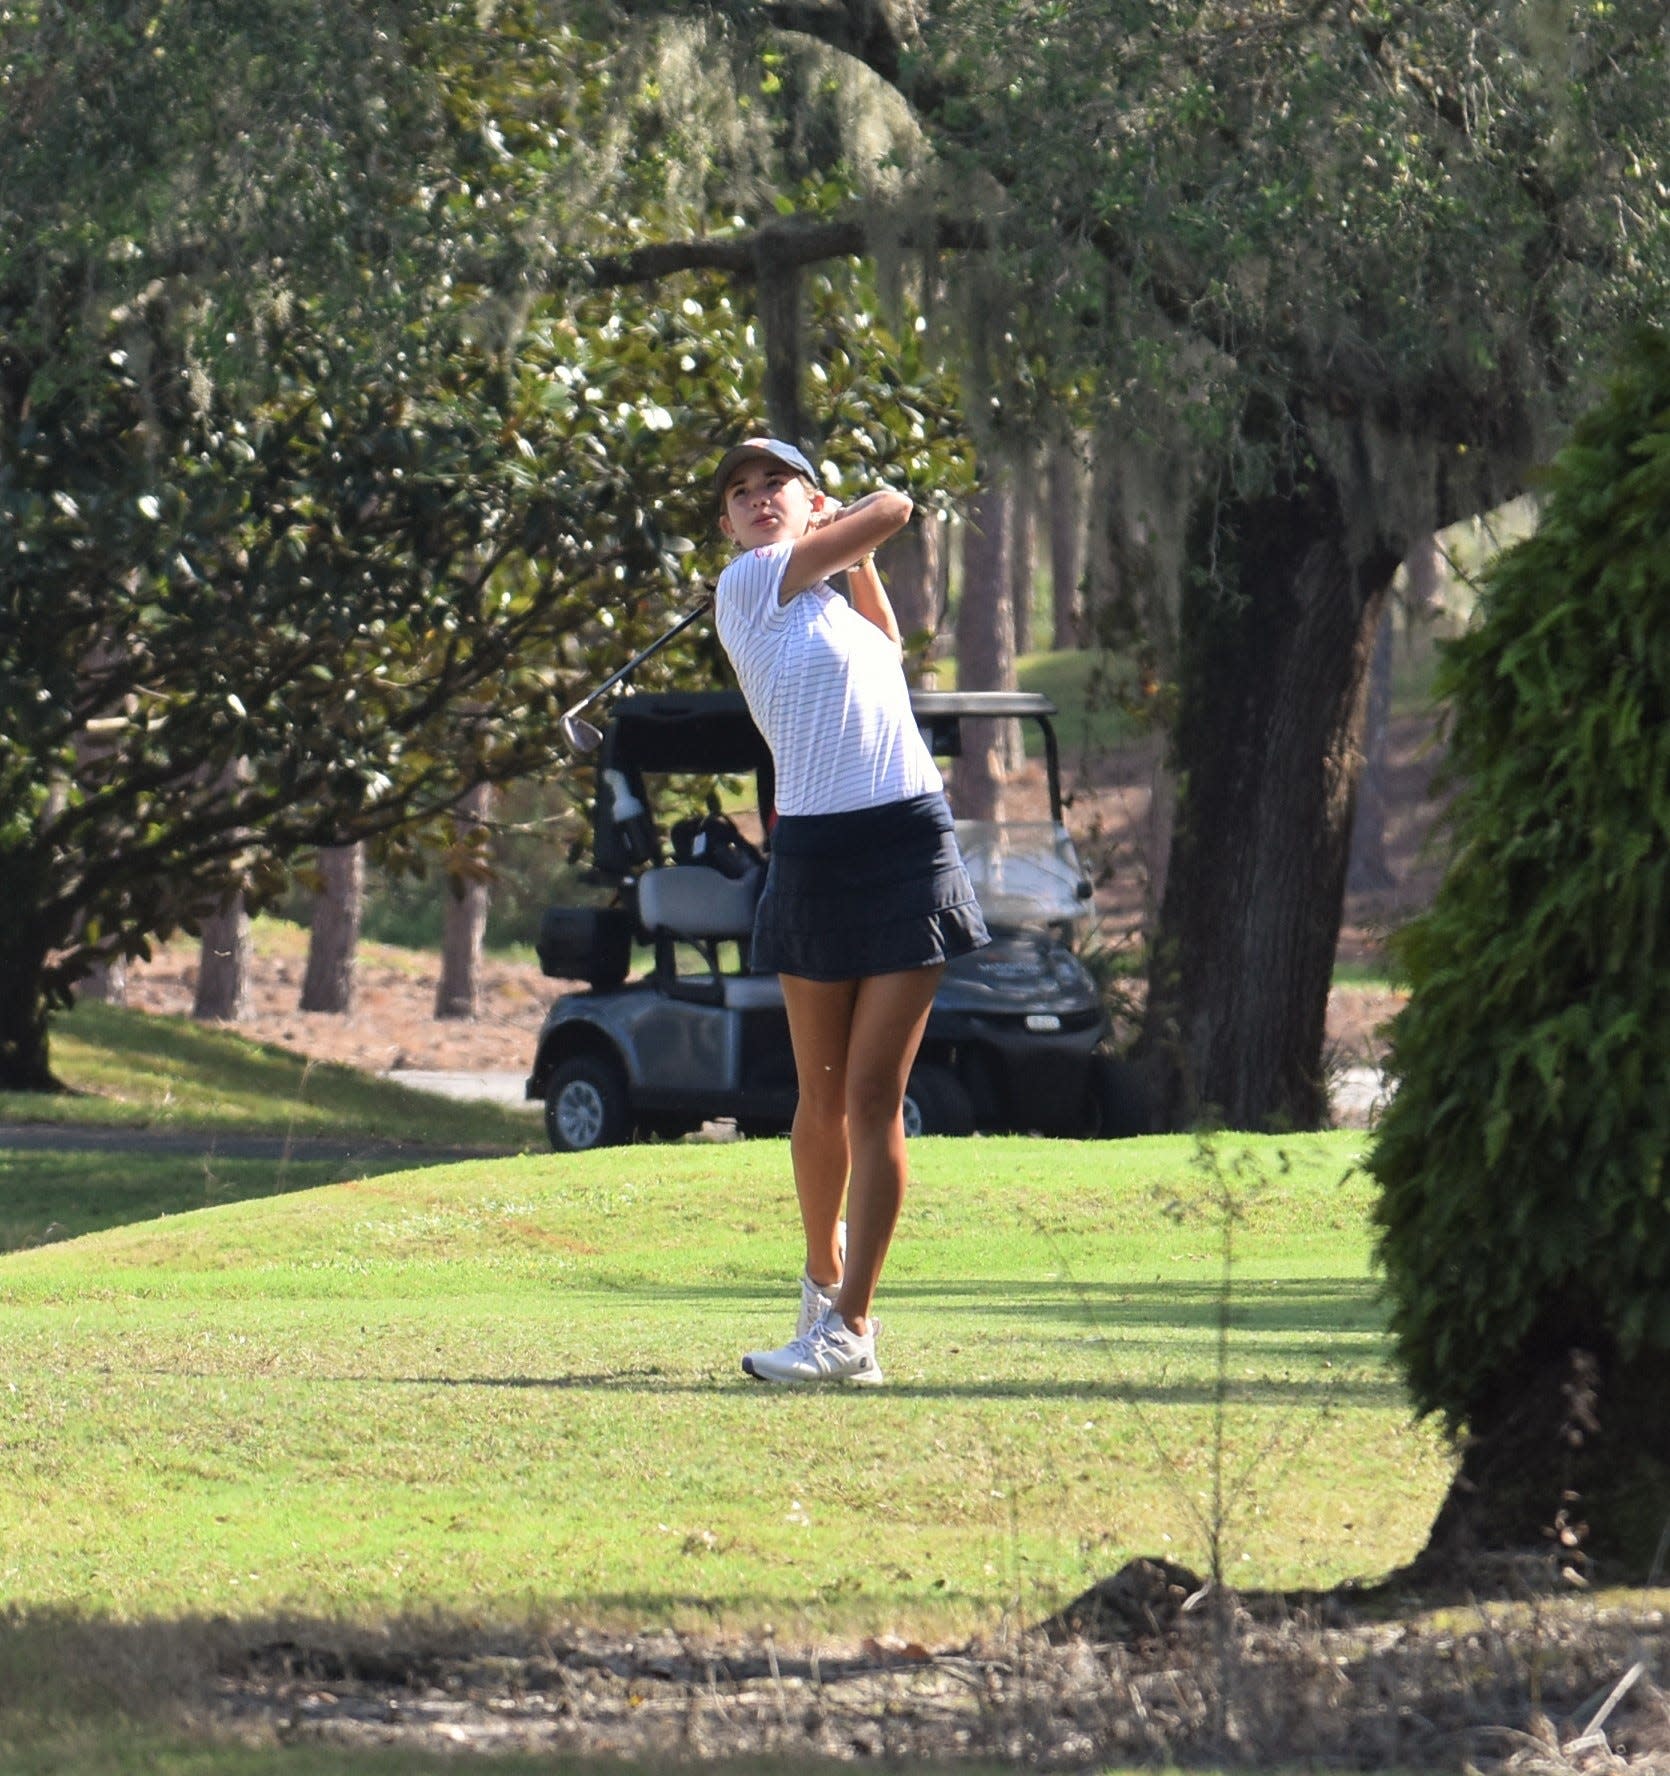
(870, 891)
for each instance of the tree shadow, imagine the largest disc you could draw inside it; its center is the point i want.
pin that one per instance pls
(59, 1196)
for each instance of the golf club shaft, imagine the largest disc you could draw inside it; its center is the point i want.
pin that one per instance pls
(637, 660)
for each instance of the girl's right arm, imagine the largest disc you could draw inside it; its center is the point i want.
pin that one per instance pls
(844, 537)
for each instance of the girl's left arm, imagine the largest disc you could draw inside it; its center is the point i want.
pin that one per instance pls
(869, 598)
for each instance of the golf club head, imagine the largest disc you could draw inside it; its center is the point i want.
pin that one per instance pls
(579, 735)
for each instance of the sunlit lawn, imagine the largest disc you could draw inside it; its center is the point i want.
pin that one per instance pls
(511, 1388)
(129, 1069)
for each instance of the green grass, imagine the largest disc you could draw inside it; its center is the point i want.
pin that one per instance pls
(506, 1393)
(1373, 976)
(510, 1390)
(1090, 688)
(131, 1069)
(46, 1197)
(210, 1088)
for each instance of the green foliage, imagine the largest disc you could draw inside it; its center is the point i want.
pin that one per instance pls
(1338, 195)
(320, 500)
(1522, 1162)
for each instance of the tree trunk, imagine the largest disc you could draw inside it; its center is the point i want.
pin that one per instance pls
(1272, 671)
(985, 649)
(1102, 604)
(223, 965)
(909, 564)
(332, 977)
(1066, 497)
(778, 288)
(459, 992)
(1424, 576)
(106, 983)
(1157, 834)
(1571, 1464)
(1369, 871)
(25, 1064)
(1023, 548)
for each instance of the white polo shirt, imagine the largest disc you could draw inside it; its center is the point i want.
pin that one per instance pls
(825, 686)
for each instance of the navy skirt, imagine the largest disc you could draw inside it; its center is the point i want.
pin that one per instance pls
(872, 891)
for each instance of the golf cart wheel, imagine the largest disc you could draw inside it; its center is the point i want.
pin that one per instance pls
(586, 1106)
(1118, 1100)
(937, 1103)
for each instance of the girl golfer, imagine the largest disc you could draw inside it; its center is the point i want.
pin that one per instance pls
(866, 896)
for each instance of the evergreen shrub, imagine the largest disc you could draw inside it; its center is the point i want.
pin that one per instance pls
(1523, 1209)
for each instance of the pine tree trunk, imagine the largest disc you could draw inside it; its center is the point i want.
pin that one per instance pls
(909, 564)
(985, 650)
(1102, 600)
(1423, 579)
(1273, 667)
(106, 983)
(1066, 497)
(223, 966)
(459, 992)
(1023, 549)
(332, 977)
(1157, 836)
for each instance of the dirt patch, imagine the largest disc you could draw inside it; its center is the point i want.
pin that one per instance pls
(394, 1023)
(1552, 1687)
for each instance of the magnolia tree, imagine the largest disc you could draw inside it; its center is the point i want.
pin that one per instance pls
(233, 629)
(316, 511)
(1524, 1220)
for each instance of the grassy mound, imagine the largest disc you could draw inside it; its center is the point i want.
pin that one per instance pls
(130, 1069)
(511, 1389)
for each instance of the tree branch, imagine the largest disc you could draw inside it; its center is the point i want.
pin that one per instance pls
(782, 246)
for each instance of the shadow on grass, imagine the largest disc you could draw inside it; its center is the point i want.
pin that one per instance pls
(187, 1075)
(1308, 1304)
(1331, 1388)
(1341, 1369)
(1347, 1306)
(46, 1198)
(154, 1043)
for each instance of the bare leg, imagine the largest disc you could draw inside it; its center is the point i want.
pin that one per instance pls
(820, 1021)
(888, 1018)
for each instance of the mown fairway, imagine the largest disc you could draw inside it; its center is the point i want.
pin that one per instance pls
(509, 1389)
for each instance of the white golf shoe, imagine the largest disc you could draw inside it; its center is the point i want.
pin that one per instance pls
(830, 1352)
(816, 1299)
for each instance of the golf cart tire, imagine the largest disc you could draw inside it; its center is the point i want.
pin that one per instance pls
(941, 1103)
(1119, 1098)
(586, 1105)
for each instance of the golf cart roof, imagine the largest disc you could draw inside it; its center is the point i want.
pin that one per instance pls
(982, 703)
(712, 731)
(696, 731)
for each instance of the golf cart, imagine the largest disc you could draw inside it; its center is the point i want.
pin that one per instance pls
(1015, 1040)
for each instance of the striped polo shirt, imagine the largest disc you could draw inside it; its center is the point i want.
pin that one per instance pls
(825, 686)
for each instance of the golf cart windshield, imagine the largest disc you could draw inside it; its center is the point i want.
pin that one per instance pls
(1025, 872)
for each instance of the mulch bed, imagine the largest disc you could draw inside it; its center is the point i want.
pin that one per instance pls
(1166, 1674)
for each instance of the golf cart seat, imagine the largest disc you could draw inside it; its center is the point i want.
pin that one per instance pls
(698, 904)
(693, 905)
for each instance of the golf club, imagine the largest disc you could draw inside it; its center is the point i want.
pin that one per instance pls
(583, 736)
